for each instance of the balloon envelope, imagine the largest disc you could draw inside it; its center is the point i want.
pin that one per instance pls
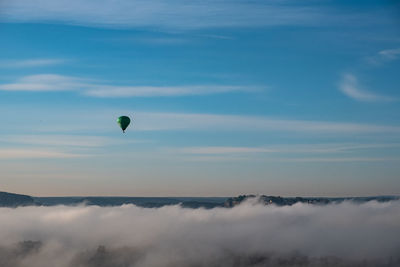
(123, 122)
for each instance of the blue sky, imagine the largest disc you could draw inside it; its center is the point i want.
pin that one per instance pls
(226, 97)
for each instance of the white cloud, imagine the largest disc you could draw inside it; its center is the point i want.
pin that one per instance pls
(41, 62)
(44, 82)
(54, 82)
(350, 87)
(163, 14)
(390, 54)
(384, 56)
(150, 91)
(249, 234)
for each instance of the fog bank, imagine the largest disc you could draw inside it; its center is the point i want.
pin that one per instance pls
(249, 234)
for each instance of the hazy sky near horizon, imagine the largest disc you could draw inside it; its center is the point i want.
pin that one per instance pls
(227, 97)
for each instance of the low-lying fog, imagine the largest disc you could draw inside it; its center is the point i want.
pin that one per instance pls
(249, 234)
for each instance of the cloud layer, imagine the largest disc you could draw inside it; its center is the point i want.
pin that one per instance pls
(191, 121)
(160, 13)
(28, 63)
(289, 153)
(247, 235)
(55, 82)
(35, 153)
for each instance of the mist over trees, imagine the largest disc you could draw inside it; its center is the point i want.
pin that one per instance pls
(248, 234)
(22, 254)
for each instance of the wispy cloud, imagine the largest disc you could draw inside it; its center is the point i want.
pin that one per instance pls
(18, 153)
(224, 150)
(44, 82)
(151, 91)
(341, 159)
(163, 14)
(103, 121)
(184, 121)
(56, 146)
(160, 40)
(58, 140)
(384, 56)
(169, 38)
(41, 62)
(54, 82)
(390, 54)
(290, 149)
(287, 153)
(350, 87)
(243, 158)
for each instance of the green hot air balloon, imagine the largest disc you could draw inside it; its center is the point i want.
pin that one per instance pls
(123, 122)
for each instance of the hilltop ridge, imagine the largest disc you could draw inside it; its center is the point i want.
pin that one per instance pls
(16, 200)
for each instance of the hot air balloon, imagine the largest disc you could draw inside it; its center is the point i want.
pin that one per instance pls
(123, 122)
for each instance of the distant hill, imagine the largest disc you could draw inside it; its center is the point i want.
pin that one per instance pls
(15, 200)
(287, 201)
(146, 202)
